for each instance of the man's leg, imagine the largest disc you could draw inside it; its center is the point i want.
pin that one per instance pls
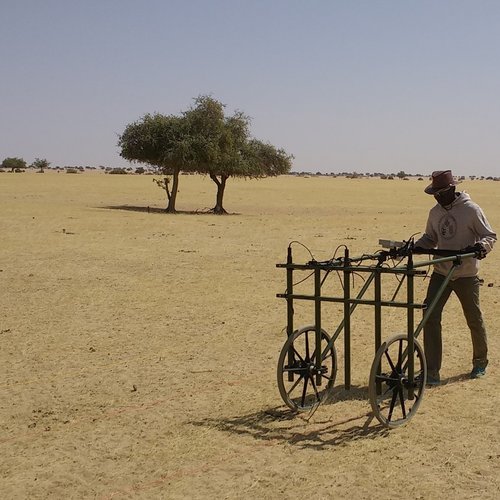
(467, 290)
(433, 344)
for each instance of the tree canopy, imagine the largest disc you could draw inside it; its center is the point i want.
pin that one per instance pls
(162, 142)
(202, 140)
(13, 163)
(42, 164)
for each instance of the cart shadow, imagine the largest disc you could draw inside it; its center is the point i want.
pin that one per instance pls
(455, 378)
(342, 394)
(311, 430)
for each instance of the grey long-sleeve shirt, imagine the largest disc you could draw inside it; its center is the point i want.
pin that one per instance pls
(456, 227)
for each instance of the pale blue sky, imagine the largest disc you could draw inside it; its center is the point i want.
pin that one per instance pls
(371, 86)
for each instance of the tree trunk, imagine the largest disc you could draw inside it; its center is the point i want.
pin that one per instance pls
(173, 194)
(221, 186)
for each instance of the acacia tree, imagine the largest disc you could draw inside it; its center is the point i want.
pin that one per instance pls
(162, 142)
(222, 147)
(41, 164)
(13, 163)
(201, 140)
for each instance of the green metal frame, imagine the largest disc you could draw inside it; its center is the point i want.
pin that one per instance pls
(348, 266)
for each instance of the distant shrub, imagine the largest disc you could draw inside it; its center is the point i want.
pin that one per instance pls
(139, 170)
(120, 171)
(72, 170)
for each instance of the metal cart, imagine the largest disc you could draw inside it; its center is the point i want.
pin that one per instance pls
(307, 364)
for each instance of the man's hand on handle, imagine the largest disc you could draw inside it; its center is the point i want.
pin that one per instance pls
(478, 249)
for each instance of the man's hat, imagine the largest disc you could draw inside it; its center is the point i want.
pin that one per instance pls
(441, 179)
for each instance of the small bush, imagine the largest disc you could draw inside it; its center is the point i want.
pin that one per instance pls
(72, 170)
(120, 171)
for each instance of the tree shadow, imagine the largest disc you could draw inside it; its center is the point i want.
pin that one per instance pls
(157, 210)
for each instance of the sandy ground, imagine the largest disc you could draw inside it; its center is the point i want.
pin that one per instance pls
(138, 350)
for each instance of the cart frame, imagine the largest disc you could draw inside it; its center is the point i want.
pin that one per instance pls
(346, 266)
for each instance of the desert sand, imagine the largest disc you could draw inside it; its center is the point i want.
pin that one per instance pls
(138, 350)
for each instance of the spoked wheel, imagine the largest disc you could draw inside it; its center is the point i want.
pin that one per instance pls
(389, 373)
(297, 372)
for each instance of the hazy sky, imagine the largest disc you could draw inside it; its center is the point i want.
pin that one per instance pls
(370, 86)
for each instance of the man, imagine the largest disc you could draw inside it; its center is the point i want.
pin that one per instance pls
(455, 223)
